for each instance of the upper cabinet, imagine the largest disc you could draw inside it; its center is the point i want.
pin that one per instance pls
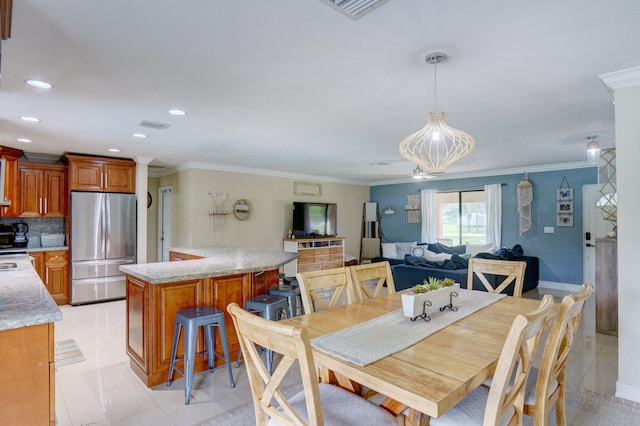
(10, 174)
(101, 174)
(43, 190)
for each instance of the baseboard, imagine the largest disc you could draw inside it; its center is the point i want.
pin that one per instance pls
(552, 285)
(629, 392)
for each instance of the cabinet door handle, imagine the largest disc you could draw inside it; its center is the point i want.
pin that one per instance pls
(40, 205)
(106, 180)
(46, 210)
(101, 180)
(46, 276)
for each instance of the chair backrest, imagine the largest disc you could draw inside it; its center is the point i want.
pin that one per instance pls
(318, 286)
(555, 357)
(380, 271)
(513, 271)
(506, 395)
(293, 343)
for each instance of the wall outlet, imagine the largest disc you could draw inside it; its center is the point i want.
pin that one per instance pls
(549, 230)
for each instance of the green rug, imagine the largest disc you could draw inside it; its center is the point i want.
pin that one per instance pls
(67, 352)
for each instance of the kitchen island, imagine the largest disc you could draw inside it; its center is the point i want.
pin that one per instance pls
(204, 276)
(27, 314)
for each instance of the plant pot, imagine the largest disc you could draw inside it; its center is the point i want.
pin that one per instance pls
(413, 303)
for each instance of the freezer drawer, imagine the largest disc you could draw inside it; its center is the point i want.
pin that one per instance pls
(98, 289)
(98, 268)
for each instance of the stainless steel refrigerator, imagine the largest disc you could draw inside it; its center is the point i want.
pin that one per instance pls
(103, 237)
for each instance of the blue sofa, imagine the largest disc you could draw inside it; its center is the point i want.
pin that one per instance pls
(406, 275)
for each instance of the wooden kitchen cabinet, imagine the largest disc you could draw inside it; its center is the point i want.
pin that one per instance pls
(11, 182)
(175, 256)
(28, 391)
(43, 190)
(53, 269)
(101, 174)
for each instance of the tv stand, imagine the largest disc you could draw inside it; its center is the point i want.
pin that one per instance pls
(315, 254)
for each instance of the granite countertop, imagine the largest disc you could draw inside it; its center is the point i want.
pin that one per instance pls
(218, 261)
(24, 300)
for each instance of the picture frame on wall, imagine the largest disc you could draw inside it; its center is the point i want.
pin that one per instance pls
(565, 194)
(564, 220)
(564, 207)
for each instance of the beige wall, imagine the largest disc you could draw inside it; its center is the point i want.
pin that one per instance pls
(271, 198)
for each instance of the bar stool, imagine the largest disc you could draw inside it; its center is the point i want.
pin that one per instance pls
(268, 307)
(192, 318)
(292, 294)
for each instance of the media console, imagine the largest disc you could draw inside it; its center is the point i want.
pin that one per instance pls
(315, 254)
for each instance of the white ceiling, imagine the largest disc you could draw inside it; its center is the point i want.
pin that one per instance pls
(293, 86)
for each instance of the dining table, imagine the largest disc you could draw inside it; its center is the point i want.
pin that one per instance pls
(434, 374)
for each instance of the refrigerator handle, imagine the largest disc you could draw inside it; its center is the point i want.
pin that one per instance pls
(106, 222)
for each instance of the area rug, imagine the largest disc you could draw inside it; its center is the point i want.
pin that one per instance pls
(584, 408)
(67, 352)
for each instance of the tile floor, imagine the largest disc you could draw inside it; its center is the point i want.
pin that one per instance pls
(102, 390)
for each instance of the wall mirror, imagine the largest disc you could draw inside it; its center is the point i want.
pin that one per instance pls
(242, 209)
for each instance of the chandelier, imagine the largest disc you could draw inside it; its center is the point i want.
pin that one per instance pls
(437, 145)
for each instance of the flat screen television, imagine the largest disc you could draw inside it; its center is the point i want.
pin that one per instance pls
(314, 220)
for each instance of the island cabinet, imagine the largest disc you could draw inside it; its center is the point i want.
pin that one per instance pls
(11, 189)
(43, 190)
(28, 376)
(151, 311)
(101, 174)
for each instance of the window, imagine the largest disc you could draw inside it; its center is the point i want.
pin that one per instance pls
(461, 217)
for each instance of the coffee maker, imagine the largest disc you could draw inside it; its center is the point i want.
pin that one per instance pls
(20, 234)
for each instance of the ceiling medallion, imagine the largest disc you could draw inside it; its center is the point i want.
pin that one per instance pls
(437, 145)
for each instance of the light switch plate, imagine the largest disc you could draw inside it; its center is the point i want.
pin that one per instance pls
(548, 230)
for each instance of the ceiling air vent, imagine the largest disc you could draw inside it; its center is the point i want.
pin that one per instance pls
(153, 125)
(355, 9)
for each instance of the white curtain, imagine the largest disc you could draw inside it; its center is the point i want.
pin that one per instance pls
(428, 208)
(493, 200)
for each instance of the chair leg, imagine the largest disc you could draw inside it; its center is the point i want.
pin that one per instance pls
(190, 334)
(210, 341)
(174, 350)
(238, 358)
(561, 410)
(225, 348)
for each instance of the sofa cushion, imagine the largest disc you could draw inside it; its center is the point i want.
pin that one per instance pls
(405, 248)
(419, 251)
(474, 249)
(389, 251)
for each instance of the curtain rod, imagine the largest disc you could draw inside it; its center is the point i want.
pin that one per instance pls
(468, 189)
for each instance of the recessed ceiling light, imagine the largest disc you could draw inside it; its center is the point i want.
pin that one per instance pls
(40, 84)
(139, 135)
(24, 140)
(30, 119)
(114, 150)
(177, 112)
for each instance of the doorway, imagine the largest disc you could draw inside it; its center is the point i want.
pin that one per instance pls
(594, 226)
(164, 222)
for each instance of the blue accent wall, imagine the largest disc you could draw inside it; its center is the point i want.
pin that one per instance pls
(560, 253)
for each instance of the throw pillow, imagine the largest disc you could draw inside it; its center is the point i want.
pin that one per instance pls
(389, 251)
(436, 257)
(405, 248)
(474, 249)
(418, 251)
(461, 249)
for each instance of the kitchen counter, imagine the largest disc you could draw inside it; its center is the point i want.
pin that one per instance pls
(57, 248)
(24, 300)
(218, 261)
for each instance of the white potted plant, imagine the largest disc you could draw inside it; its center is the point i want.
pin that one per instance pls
(436, 291)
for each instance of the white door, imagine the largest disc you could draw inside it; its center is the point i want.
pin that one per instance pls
(594, 226)
(164, 223)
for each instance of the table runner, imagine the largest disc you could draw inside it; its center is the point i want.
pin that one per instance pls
(375, 339)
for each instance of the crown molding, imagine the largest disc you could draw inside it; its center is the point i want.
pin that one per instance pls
(495, 172)
(623, 78)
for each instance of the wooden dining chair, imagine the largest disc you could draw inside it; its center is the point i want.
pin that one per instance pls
(318, 286)
(546, 386)
(318, 403)
(380, 271)
(503, 402)
(512, 271)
